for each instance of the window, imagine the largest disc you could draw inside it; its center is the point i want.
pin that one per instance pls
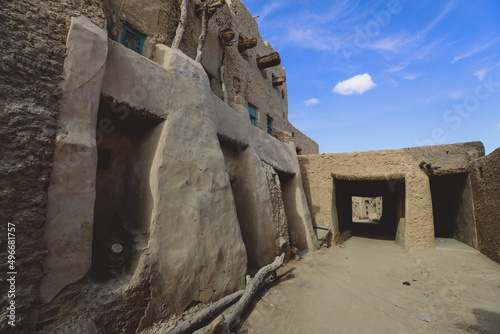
(132, 39)
(270, 125)
(252, 111)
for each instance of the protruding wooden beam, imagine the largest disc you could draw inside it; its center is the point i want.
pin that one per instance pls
(270, 60)
(212, 6)
(227, 36)
(181, 27)
(278, 81)
(245, 44)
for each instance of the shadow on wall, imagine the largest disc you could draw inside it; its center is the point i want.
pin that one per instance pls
(296, 228)
(486, 322)
(315, 209)
(122, 211)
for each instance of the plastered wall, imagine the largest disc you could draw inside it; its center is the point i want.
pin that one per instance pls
(485, 182)
(320, 171)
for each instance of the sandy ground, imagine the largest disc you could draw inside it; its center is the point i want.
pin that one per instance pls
(359, 289)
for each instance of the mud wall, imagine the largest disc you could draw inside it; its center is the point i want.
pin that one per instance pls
(33, 124)
(32, 51)
(253, 205)
(412, 164)
(244, 82)
(193, 234)
(282, 242)
(485, 181)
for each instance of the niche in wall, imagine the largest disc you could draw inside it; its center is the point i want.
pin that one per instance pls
(246, 211)
(126, 142)
(452, 208)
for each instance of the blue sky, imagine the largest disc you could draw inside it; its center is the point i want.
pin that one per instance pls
(367, 75)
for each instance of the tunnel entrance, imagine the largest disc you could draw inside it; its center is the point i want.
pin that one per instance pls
(126, 144)
(452, 208)
(370, 208)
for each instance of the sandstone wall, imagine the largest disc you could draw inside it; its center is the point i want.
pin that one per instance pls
(320, 171)
(485, 181)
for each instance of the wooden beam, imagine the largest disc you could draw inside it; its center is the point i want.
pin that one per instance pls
(212, 6)
(255, 284)
(179, 33)
(188, 324)
(278, 81)
(245, 44)
(227, 36)
(270, 60)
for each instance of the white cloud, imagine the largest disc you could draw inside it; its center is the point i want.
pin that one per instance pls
(394, 44)
(481, 74)
(499, 125)
(314, 38)
(403, 44)
(456, 95)
(410, 76)
(311, 102)
(399, 67)
(449, 6)
(356, 85)
(475, 50)
(270, 8)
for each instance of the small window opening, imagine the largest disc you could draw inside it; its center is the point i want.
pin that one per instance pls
(370, 214)
(270, 125)
(132, 39)
(252, 111)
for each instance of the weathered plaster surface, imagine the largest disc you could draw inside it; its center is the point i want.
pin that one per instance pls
(244, 82)
(485, 181)
(70, 208)
(282, 243)
(33, 51)
(466, 230)
(319, 171)
(194, 234)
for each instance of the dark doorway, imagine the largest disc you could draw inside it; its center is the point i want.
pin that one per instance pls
(126, 144)
(452, 207)
(391, 195)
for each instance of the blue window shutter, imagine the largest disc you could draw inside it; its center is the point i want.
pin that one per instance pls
(252, 112)
(132, 39)
(270, 125)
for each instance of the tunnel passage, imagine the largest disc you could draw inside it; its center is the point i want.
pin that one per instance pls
(391, 195)
(452, 207)
(126, 144)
